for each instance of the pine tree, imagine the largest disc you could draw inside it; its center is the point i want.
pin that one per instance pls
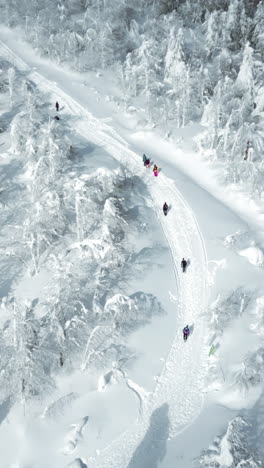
(25, 363)
(237, 25)
(212, 34)
(177, 75)
(258, 29)
(245, 78)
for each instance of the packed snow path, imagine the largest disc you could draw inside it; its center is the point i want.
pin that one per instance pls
(179, 387)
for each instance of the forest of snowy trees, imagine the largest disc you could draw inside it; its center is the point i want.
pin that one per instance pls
(77, 230)
(190, 61)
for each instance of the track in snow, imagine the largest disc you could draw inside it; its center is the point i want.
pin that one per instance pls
(180, 384)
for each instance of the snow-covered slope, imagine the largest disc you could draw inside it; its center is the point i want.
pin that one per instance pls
(178, 392)
(233, 231)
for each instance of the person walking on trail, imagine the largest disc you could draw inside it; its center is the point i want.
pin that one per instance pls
(183, 265)
(186, 332)
(144, 159)
(165, 209)
(61, 359)
(57, 106)
(147, 162)
(155, 170)
(247, 150)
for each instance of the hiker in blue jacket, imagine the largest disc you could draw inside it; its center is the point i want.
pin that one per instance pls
(186, 332)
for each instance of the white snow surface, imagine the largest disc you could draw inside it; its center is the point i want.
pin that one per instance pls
(176, 402)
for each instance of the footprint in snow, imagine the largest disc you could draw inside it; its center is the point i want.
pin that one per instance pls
(74, 436)
(172, 297)
(77, 463)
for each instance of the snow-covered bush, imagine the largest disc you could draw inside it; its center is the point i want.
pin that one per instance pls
(130, 312)
(254, 255)
(231, 450)
(251, 371)
(239, 240)
(104, 347)
(228, 307)
(244, 244)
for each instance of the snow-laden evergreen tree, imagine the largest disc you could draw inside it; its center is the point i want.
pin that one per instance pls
(237, 25)
(245, 78)
(142, 74)
(42, 144)
(258, 29)
(236, 118)
(177, 75)
(212, 34)
(25, 364)
(131, 312)
(258, 325)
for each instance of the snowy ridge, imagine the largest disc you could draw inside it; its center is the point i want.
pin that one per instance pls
(180, 383)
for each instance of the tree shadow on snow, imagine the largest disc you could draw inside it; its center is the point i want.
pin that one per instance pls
(213, 339)
(9, 183)
(84, 150)
(152, 450)
(79, 151)
(5, 408)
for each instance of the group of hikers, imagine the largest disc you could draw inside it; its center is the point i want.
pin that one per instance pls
(186, 330)
(184, 263)
(146, 162)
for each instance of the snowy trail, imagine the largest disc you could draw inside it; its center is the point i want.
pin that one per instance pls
(180, 384)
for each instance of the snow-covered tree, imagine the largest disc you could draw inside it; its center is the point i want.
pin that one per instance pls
(143, 67)
(177, 75)
(128, 313)
(25, 364)
(231, 450)
(44, 148)
(237, 25)
(11, 82)
(245, 78)
(258, 29)
(212, 34)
